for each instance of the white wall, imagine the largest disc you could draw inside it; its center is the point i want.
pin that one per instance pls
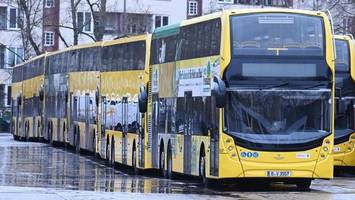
(174, 9)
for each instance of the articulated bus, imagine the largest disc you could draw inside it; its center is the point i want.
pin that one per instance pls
(344, 135)
(55, 96)
(83, 82)
(122, 136)
(33, 91)
(243, 94)
(16, 102)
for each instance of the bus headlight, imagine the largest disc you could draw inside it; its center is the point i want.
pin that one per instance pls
(325, 149)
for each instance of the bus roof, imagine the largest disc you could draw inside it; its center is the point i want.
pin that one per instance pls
(125, 40)
(174, 28)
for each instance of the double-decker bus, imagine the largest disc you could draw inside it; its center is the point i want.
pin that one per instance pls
(344, 135)
(16, 102)
(55, 96)
(243, 94)
(82, 105)
(33, 94)
(122, 136)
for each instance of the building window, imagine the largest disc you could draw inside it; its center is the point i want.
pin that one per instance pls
(14, 18)
(192, 9)
(3, 14)
(161, 21)
(14, 56)
(48, 39)
(2, 56)
(49, 3)
(225, 1)
(84, 21)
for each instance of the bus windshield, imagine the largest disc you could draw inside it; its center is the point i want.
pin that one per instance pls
(276, 117)
(342, 62)
(277, 34)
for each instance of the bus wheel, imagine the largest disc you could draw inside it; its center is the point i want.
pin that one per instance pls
(64, 140)
(113, 153)
(304, 185)
(203, 170)
(134, 160)
(94, 142)
(50, 132)
(77, 141)
(27, 128)
(169, 172)
(162, 163)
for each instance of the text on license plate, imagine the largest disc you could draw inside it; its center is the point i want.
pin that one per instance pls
(278, 173)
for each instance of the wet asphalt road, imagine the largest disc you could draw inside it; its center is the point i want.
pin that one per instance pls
(37, 171)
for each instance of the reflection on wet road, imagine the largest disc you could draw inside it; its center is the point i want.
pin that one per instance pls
(39, 165)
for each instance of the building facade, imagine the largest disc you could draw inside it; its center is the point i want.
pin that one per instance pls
(11, 48)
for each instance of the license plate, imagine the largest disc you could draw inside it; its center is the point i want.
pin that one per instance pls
(278, 173)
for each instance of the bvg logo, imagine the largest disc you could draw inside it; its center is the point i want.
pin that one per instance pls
(249, 154)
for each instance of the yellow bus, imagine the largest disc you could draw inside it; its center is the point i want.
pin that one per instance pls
(16, 102)
(33, 94)
(121, 137)
(83, 81)
(344, 136)
(242, 94)
(55, 96)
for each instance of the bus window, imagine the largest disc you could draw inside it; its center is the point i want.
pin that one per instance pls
(277, 34)
(342, 62)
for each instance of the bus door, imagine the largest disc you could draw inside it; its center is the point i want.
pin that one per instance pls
(141, 132)
(87, 121)
(124, 129)
(214, 139)
(74, 114)
(154, 129)
(187, 131)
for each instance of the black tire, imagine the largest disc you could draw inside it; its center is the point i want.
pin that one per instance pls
(134, 161)
(112, 161)
(94, 142)
(27, 128)
(169, 170)
(304, 185)
(107, 155)
(77, 140)
(64, 141)
(202, 171)
(50, 134)
(162, 164)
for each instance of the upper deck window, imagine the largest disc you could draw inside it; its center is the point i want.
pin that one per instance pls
(342, 62)
(277, 34)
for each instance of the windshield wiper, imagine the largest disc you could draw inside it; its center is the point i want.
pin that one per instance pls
(276, 86)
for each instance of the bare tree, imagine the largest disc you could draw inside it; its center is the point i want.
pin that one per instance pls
(98, 10)
(74, 8)
(32, 19)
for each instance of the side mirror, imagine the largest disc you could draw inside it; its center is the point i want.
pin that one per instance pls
(142, 100)
(219, 92)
